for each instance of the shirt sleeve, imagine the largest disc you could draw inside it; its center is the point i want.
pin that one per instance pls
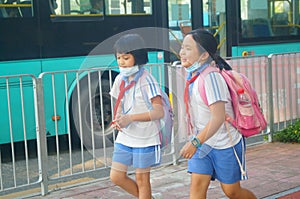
(216, 88)
(151, 86)
(115, 90)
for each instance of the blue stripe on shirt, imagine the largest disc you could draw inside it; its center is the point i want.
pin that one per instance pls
(152, 86)
(215, 86)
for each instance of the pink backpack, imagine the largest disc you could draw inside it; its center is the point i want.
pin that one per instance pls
(248, 120)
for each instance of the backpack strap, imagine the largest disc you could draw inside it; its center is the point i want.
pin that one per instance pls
(233, 78)
(241, 163)
(201, 86)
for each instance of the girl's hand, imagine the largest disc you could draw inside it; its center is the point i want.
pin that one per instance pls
(115, 125)
(188, 150)
(124, 120)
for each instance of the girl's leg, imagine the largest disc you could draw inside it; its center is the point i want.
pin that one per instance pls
(118, 175)
(199, 186)
(143, 183)
(235, 191)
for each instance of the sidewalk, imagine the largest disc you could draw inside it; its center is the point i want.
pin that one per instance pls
(273, 170)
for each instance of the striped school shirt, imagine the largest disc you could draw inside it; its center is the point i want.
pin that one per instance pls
(216, 90)
(138, 134)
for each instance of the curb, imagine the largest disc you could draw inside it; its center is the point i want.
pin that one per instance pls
(284, 193)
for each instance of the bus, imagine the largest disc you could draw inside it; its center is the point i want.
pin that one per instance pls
(41, 36)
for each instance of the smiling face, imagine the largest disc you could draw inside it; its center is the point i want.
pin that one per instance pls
(125, 60)
(189, 52)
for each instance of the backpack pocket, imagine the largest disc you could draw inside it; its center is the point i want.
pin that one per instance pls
(247, 118)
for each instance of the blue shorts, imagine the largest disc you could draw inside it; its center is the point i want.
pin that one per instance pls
(137, 157)
(220, 164)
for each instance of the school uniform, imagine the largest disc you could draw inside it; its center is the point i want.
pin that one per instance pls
(138, 144)
(216, 156)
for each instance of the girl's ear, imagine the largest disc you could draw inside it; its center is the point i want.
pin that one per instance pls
(205, 56)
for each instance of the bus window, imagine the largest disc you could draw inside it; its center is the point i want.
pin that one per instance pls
(284, 17)
(16, 8)
(77, 7)
(96, 7)
(128, 7)
(276, 18)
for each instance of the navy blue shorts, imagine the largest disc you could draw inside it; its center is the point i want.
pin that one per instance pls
(137, 157)
(221, 164)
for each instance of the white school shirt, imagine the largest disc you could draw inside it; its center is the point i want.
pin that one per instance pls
(138, 134)
(216, 90)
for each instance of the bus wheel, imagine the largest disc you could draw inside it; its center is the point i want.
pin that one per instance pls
(92, 126)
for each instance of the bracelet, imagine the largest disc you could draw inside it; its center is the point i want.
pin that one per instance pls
(195, 142)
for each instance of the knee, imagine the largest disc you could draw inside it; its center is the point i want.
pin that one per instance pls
(239, 193)
(231, 194)
(115, 177)
(232, 190)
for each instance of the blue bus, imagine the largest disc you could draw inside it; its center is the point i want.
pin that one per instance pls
(40, 36)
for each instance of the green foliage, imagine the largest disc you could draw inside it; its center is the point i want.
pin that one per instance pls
(289, 134)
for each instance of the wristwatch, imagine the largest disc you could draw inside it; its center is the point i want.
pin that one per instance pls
(195, 141)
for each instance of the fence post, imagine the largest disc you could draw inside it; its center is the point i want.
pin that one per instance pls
(171, 96)
(41, 134)
(270, 100)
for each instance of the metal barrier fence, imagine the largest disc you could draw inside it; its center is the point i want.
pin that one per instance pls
(15, 173)
(70, 112)
(284, 87)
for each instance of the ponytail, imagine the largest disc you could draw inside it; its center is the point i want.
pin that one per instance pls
(206, 41)
(221, 63)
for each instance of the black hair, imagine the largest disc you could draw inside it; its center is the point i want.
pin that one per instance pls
(132, 44)
(207, 42)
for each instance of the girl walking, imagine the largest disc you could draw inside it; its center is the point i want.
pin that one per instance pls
(212, 146)
(138, 140)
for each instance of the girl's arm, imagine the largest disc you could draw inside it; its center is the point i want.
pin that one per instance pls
(217, 119)
(114, 123)
(156, 113)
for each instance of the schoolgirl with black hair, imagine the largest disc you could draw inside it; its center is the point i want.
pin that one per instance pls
(138, 141)
(210, 151)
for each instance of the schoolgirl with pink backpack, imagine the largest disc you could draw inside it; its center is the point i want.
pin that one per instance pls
(217, 117)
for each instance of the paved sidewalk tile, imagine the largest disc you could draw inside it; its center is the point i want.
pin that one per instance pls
(272, 168)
